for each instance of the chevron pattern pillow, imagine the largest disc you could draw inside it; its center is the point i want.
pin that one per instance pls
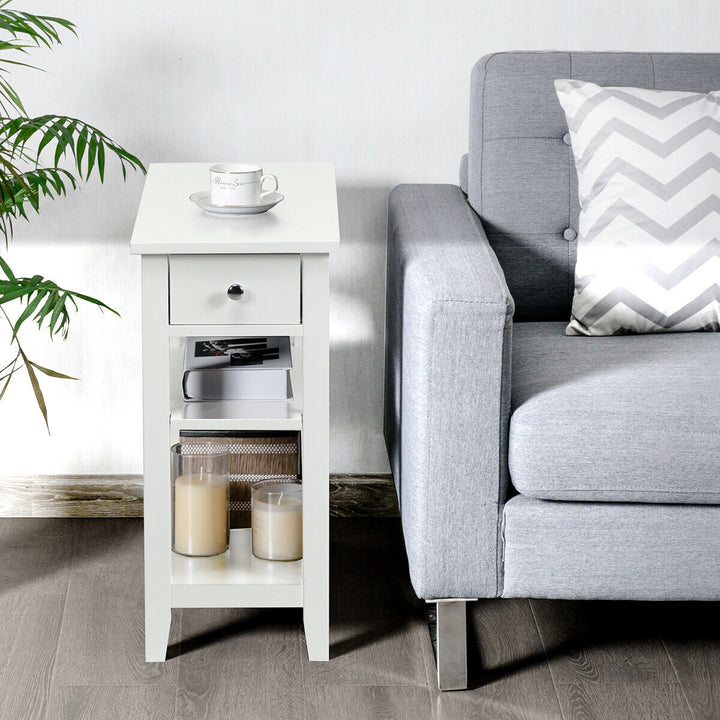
(648, 165)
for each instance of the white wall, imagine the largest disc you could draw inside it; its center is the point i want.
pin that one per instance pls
(379, 87)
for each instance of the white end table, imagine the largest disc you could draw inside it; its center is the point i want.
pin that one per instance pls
(189, 260)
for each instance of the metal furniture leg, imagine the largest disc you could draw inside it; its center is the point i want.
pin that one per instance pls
(451, 644)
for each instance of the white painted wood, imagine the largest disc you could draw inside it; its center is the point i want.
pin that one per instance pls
(177, 355)
(296, 374)
(305, 222)
(236, 415)
(236, 578)
(183, 331)
(181, 285)
(156, 463)
(315, 455)
(199, 285)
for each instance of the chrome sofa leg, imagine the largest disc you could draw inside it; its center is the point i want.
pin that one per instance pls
(451, 644)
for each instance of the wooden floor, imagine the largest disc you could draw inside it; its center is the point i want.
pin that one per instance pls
(71, 636)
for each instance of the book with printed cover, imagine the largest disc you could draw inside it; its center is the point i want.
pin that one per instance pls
(237, 368)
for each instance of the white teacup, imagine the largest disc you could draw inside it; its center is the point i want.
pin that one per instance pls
(238, 184)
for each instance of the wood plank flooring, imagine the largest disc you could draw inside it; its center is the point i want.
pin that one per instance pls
(71, 644)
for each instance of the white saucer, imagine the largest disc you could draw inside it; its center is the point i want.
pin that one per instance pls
(202, 200)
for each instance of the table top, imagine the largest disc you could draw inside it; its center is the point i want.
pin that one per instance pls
(306, 221)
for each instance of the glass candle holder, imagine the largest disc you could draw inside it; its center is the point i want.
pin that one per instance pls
(276, 517)
(200, 499)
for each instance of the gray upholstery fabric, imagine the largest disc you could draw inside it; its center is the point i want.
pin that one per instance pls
(447, 376)
(611, 551)
(521, 176)
(464, 173)
(448, 339)
(633, 418)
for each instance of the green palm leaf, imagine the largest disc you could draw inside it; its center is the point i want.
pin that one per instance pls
(38, 29)
(41, 157)
(25, 30)
(45, 302)
(29, 138)
(68, 135)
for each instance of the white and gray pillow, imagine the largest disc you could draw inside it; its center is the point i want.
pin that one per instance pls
(648, 165)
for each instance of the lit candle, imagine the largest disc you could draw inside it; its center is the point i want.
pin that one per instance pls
(277, 521)
(201, 519)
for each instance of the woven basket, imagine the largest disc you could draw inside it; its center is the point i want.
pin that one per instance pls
(253, 456)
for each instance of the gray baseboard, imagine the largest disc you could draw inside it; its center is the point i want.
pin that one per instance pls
(122, 496)
(72, 496)
(363, 496)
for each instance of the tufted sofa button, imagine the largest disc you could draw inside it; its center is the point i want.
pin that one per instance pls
(566, 138)
(569, 234)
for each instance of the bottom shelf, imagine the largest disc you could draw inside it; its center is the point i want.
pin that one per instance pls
(235, 579)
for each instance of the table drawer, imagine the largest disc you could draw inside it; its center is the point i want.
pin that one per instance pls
(199, 289)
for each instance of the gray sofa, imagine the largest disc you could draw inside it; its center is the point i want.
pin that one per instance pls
(528, 463)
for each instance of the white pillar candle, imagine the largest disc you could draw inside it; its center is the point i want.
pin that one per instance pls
(277, 521)
(201, 520)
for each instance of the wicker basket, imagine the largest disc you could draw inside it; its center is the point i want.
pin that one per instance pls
(253, 456)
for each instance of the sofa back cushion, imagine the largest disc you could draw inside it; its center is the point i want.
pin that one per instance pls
(521, 176)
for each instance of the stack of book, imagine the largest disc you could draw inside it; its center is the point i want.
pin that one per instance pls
(256, 368)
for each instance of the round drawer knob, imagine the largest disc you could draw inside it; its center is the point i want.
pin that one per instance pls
(235, 292)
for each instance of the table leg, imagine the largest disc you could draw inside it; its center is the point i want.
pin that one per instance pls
(156, 460)
(315, 462)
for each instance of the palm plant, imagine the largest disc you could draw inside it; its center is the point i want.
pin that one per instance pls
(40, 157)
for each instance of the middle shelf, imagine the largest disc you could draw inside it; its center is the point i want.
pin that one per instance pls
(235, 414)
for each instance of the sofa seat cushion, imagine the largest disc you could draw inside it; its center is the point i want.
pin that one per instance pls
(610, 551)
(632, 418)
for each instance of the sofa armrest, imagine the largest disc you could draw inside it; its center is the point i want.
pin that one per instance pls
(447, 379)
